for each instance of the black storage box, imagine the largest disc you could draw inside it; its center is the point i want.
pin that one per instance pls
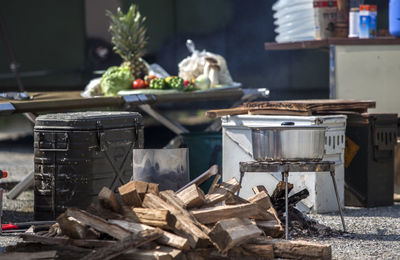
(369, 171)
(76, 154)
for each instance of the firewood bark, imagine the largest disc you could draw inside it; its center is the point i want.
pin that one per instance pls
(192, 196)
(161, 218)
(222, 191)
(98, 223)
(184, 225)
(108, 200)
(215, 214)
(229, 233)
(271, 228)
(298, 249)
(130, 195)
(167, 238)
(132, 241)
(74, 229)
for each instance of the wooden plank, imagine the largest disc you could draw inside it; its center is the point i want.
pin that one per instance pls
(167, 238)
(192, 196)
(298, 249)
(222, 191)
(226, 112)
(184, 225)
(59, 240)
(232, 232)
(271, 228)
(161, 218)
(132, 241)
(278, 112)
(97, 223)
(108, 200)
(215, 214)
(130, 195)
(75, 229)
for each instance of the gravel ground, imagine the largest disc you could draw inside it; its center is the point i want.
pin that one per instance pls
(372, 233)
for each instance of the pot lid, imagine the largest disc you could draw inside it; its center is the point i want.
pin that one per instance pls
(89, 120)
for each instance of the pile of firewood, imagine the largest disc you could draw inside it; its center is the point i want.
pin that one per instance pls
(139, 222)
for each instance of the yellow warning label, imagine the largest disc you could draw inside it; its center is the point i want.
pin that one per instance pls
(350, 151)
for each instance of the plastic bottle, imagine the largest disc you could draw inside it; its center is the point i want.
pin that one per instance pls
(394, 17)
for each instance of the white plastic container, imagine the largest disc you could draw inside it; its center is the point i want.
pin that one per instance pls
(237, 147)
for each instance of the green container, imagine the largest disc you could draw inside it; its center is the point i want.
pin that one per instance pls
(205, 150)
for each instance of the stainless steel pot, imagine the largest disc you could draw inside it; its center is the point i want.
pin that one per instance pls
(288, 143)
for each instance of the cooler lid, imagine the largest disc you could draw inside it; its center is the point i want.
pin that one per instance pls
(90, 120)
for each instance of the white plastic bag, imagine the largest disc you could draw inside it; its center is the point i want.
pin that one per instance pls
(195, 65)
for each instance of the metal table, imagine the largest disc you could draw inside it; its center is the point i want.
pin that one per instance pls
(285, 168)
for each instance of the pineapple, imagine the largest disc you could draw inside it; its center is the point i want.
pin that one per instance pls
(129, 37)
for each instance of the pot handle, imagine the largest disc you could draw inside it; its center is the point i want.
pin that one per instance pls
(287, 123)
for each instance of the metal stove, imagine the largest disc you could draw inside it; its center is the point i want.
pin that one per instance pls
(291, 166)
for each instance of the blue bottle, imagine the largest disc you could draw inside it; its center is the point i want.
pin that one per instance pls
(394, 17)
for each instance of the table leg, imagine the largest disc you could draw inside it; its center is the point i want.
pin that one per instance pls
(285, 177)
(240, 182)
(337, 199)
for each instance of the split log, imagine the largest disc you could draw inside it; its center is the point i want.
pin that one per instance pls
(141, 188)
(215, 214)
(74, 229)
(298, 249)
(214, 183)
(108, 200)
(192, 196)
(97, 223)
(161, 218)
(237, 253)
(229, 233)
(130, 195)
(132, 241)
(233, 199)
(167, 238)
(279, 192)
(222, 191)
(88, 243)
(292, 200)
(271, 228)
(263, 202)
(259, 188)
(29, 255)
(184, 225)
(98, 210)
(152, 188)
(262, 251)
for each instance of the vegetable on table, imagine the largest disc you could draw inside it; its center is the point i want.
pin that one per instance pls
(116, 79)
(175, 82)
(139, 84)
(158, 84)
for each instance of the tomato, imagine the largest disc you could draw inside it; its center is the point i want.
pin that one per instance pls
(139, 84)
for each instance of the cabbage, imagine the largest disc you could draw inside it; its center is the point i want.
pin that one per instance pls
(116, 79)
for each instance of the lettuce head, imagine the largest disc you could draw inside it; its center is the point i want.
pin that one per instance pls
(116, 79)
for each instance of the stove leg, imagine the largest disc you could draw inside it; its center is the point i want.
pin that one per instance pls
(240, 181)
(285, 177)
(337, 199)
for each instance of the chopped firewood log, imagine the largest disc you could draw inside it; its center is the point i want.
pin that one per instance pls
(167, 238)
(215, 214)
(271, 228)
(259, 188)
(161, 218)
(263, 202)
(214, 183)
(159, 253)
(192, 196)
(232, 232)
(141, 188)
(184, 225)
(108, 200)
(88, 243)
(292, 200)
(262, 251)
(152, 188)
(170, 197)
(222, 191)
(74, 229)
(97, 223)
(98, 210)
(130, 195)
(279, 191)
(267, 201)
(297, 249)
(237, 253)
(213, 170)
(233, 199)
(29, 255)
(132, 241)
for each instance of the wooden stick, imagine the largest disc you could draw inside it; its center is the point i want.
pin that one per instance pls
(167, 238)
(132, 241)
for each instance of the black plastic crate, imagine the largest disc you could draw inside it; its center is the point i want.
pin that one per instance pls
(369, 170)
